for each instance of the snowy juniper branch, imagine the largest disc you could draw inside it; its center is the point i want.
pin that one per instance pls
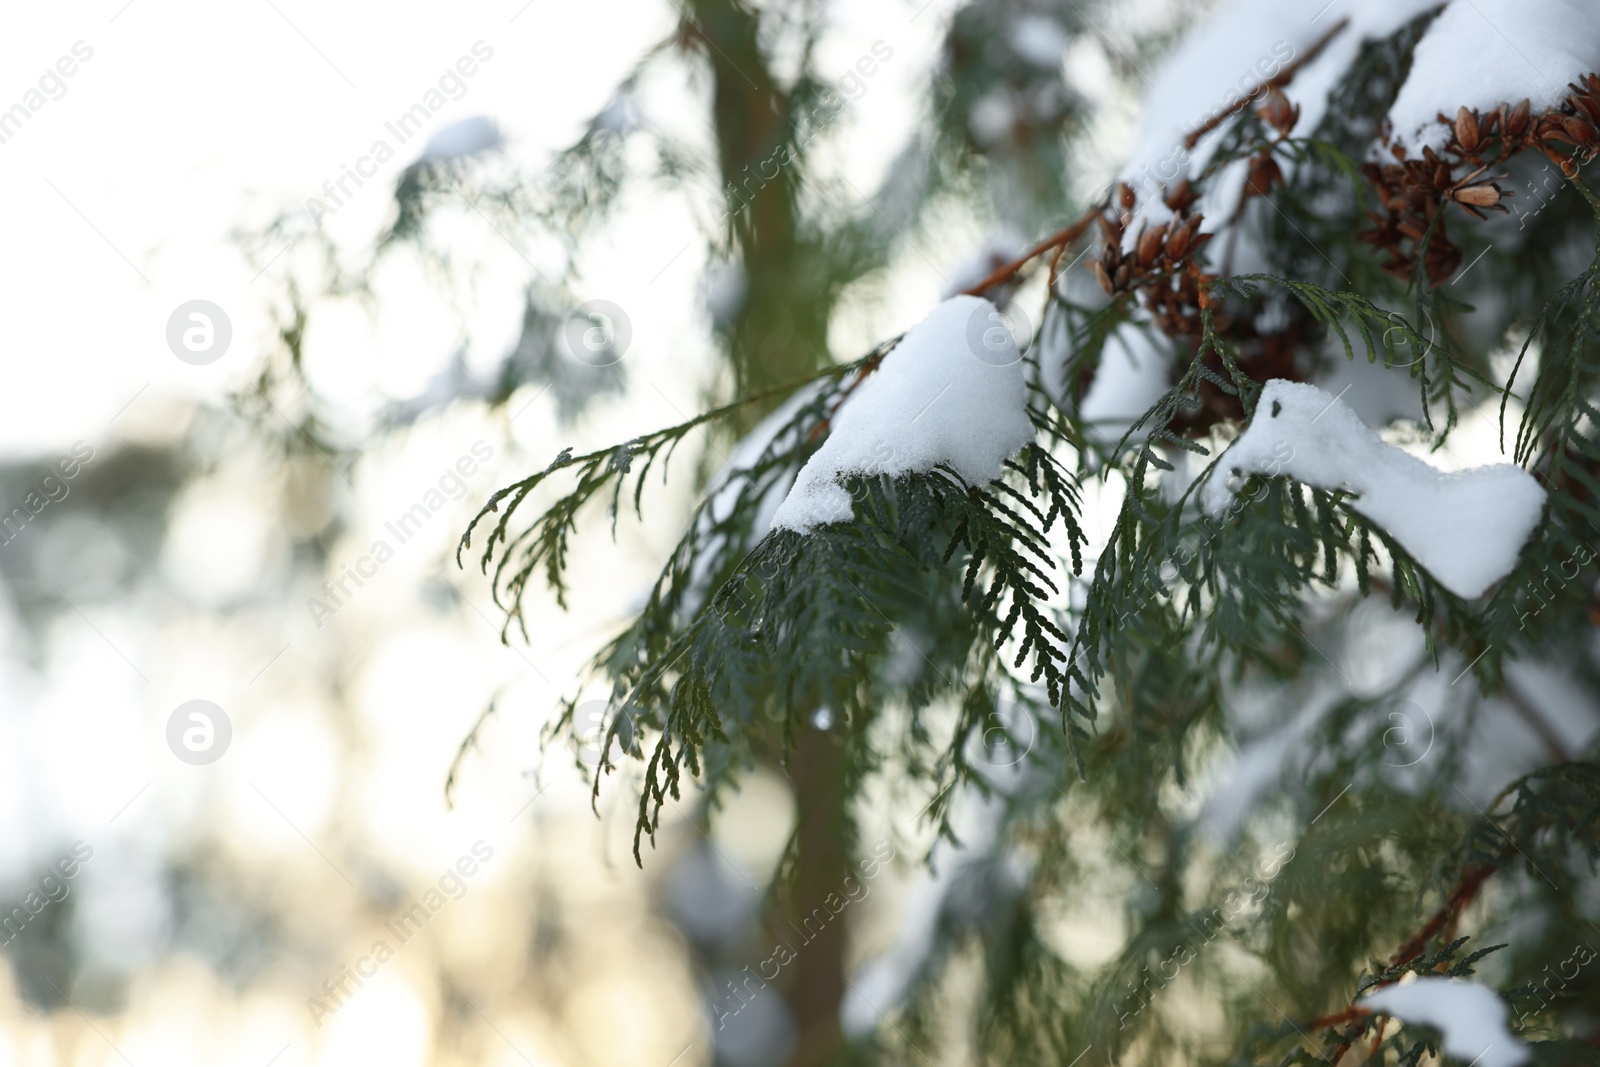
(544, 541)
(889, 594)
(809, 621)
(745, 630)
(1232, 594)
(1552, 810)
(1149, 535)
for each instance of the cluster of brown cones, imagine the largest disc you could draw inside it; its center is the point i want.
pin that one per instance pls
(1158, 264)
(1161, 266)
(1413, 191)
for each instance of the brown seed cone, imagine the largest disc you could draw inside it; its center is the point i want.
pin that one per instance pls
(1467, 130)
(1178, 243)
(1150, 243)
(1276, 110)
(1588, 103)
(1264, 174)
(1098, 269)
(1578, 130)
(1181, 197)
(1517, 121)
(1478, 195)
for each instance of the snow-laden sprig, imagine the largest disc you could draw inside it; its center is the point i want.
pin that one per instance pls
(951, 393)
(745, 628)
(1466, 527)
(1471, 1018)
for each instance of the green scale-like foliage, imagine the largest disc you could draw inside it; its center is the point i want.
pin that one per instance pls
(1142, 652)
(804, 622)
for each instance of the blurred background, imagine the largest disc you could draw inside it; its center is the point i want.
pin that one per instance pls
(291, 289)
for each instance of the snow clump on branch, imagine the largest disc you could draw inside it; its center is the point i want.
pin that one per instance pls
(1466, 527)
(1471, 1018)
(951, 393)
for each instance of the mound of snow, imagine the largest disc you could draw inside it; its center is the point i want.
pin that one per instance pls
(1470, 1018)
(1484, 53)
(463, 138)
(1466, 527)
(951, 392)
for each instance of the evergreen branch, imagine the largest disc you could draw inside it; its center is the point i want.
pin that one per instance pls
(545, 540)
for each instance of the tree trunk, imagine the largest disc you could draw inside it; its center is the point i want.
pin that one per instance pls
(778, 337)
(817, 776)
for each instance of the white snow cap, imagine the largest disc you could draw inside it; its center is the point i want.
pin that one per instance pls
(1467, 527)
(466, 137)
(1470, 1017)
(1219, 69)
(1476, 54)
(950, 392)
(1483, 53)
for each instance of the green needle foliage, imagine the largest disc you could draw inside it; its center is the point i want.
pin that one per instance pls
(962, 646)
(741, 634)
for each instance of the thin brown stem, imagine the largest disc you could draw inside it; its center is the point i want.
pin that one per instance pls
(1277, 81)
(1060, 239)
(1063, 237)
(1346, 1016)
(1465, 890)
(1414, 946)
